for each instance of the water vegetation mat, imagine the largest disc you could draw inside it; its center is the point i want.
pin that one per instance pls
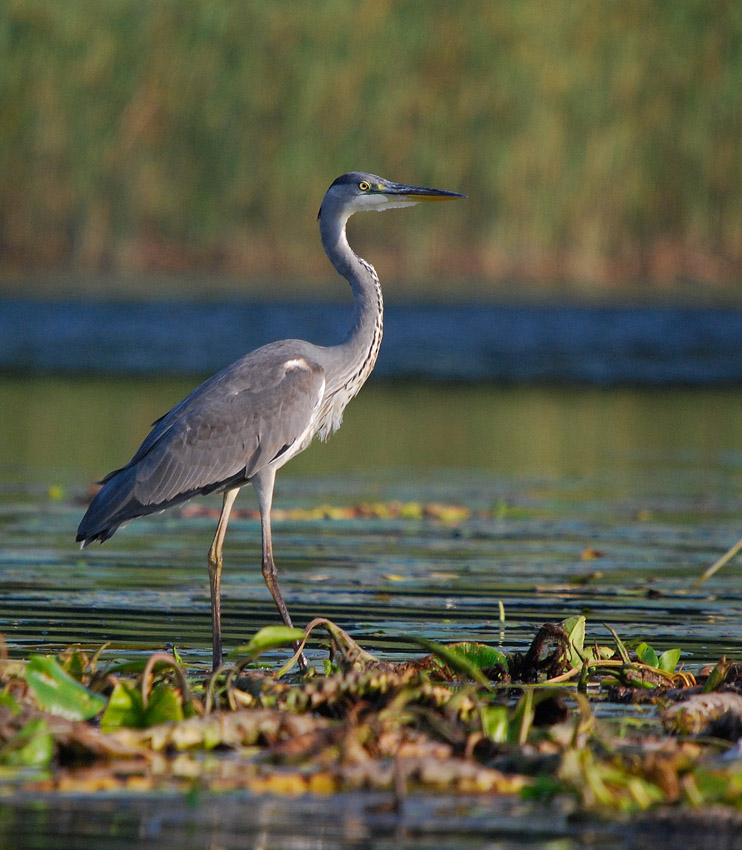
(610, 727)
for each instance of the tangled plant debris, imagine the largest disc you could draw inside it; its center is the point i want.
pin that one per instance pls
(463, 717)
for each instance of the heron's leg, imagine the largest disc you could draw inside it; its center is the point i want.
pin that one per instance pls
(263, 483)
(215, 575)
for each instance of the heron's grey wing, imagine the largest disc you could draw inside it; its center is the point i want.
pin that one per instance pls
(222, 434)
(232, 431)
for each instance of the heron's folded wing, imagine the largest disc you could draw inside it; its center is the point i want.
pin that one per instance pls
(219, 436)
(231, 432)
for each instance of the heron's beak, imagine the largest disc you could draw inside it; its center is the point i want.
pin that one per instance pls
(414, 194)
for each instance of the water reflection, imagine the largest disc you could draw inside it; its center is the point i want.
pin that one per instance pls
(89, 426)
(367, 821)
(361, 821)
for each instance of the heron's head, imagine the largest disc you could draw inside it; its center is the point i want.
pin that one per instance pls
(357, 191)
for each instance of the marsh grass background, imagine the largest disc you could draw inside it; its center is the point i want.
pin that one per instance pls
(600, 142)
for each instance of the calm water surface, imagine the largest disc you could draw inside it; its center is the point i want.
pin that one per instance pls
(586, 343)
(649, 481)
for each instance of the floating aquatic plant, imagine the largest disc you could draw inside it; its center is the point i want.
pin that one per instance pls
(465, 716)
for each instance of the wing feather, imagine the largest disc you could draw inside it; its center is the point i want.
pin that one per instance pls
(258, 410)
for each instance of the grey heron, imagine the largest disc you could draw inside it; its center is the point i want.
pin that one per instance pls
(244, 423)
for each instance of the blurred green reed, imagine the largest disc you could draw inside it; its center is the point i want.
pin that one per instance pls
(600, 141)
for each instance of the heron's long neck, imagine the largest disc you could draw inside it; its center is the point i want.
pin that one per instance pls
(361, 346)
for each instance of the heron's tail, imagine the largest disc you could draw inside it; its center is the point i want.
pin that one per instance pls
(113, 505)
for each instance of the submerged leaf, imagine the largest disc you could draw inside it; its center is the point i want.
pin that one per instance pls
(58, 693)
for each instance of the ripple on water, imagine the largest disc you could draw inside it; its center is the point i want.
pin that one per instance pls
(383, 580)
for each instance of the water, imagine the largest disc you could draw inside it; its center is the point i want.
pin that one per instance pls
(594, 344)
(347, 821)
(648, 480)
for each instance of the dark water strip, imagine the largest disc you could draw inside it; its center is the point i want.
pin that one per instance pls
(350, 821)
(601, 345)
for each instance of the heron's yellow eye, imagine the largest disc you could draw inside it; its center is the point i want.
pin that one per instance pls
(364, 186)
